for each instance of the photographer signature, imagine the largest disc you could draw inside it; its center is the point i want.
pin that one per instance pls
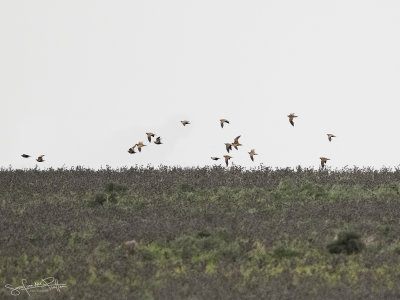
(44, 285)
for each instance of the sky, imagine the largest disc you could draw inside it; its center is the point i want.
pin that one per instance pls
(83, 81)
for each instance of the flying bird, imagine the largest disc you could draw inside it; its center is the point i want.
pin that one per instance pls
(330, 136)
(227, 157)
(323, 161)
(185, 122)
(236, 142)
(252, 153)
(158, 141)
(132, 150)
(149, 135)
(25, 155)
(40, 158)
(214, 158)
(223, 121)
(140, 145)
(291, 117)
(228, 147)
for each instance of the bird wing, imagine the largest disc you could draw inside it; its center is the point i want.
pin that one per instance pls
(236, 141)
(291, 122)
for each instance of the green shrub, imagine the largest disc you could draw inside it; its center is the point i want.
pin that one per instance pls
(385, 229)
(203, 234)
(282, 252)
(100, 198)
(115, 187)
(347, 242)
(112, 192)
(185, 187)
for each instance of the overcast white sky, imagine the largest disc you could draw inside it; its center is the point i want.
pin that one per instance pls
(82, 81)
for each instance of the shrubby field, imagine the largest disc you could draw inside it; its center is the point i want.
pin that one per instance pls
(202, 233)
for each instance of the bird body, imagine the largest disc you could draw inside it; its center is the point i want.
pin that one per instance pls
(149, 135)
(132, 150)
(323, 161)
(330, 136)
(223, 121)
(291, 117)
(236, 143)
(140, 145)
(228, 147)
(40, 158)
(252, 153)
(227, 158)
(158, 141)
(185, 122)
(25, 155)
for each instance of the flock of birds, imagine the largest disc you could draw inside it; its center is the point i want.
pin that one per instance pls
(228, 146)
(39, 159)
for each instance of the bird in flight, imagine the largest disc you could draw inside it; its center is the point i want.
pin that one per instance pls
(252, 153)
(223, 121)
(185, 122)
(140, 145)
(323, 161)
(291, 117)
(149, 135)
(25, 155)
(330, 136)
(158, 141)
(236, 142)
(228, 147)
(227, 158)
(214, 158)
(132, 150)
(40, 158)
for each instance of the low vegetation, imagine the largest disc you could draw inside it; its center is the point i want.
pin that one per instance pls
(202, 233)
